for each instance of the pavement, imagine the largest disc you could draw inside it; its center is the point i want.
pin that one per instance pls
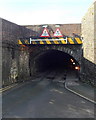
(82, 89)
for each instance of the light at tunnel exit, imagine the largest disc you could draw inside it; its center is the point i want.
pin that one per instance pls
(77, 68)
(71, 60)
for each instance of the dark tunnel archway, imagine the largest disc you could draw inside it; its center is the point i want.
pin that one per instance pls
(51, 60)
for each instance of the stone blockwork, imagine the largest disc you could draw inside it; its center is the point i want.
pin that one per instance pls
(71, 30)
(15, 61)
(95, 32)
(88, 34)
(0, 53)
(12, 32)
(89, 44)
(88, 74)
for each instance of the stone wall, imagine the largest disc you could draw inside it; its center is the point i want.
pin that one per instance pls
(89, 44)
(95, 41)
(0, 52)
(89, 33)
(15, 60)
(95, 32)
(88, 74)
(0, 67)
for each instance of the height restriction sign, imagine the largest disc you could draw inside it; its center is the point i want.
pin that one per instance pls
(58, 33)
(45, 33)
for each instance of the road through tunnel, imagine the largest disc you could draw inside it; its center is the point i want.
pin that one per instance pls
(54, 60)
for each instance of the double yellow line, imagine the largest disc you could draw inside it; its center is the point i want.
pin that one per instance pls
(7, 88)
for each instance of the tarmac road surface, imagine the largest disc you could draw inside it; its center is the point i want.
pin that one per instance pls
(45, 99)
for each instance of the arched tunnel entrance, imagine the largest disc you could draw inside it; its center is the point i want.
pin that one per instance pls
(55, 60)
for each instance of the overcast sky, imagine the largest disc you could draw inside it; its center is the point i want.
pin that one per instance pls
(30, 12)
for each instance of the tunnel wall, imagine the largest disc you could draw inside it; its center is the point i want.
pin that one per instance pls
(15, 60)
(89, 45)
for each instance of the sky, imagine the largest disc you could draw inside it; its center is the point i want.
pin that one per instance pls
(32, 12)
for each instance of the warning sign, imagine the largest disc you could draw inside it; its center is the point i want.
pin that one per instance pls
(58, 33)
(45, 33)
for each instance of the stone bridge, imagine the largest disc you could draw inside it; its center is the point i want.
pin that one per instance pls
(20, 62)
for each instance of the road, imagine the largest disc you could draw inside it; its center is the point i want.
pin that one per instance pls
(45, 99)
